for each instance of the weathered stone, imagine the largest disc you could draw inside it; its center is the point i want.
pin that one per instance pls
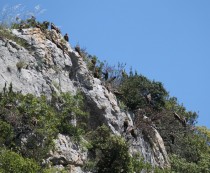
(67, 152)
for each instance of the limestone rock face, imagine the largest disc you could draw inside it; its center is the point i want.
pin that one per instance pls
(43, 67)
(151, 147)
(67, 153)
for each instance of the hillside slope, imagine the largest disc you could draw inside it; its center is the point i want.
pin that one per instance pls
(42, 68)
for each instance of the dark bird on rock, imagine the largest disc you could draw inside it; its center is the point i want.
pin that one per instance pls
(125, 125)
(66, 37)
(106, 75)
(55, 28)
(133, 134)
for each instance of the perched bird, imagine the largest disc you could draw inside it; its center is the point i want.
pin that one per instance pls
(125, 125)
(133, 134)
(106, 75)
(55, 28)
(66, 37)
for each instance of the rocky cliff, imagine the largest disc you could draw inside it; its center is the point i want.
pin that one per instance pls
(43, 67)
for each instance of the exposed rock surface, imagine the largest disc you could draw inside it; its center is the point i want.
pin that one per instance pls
(67, 153)
(43, 68)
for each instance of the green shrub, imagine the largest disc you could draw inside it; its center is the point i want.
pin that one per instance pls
(38, 121)
(110, 154)
(179, 164)
(141, 86)
(31, 117)
(72, 108)
(138, 164)
(11, 162)
(6, 132)
(114, 156)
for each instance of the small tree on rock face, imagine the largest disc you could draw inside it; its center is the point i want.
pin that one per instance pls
(114, 156)
(110, 154)
(72, 109)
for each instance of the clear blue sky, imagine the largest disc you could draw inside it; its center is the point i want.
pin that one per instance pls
(168, 41)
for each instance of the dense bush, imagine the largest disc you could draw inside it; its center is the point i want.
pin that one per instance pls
(6, 132)
(110, 153)
(11, 162)
(187, 144)
(72, 109)
(180, 164)
(28, 124)
(135, 89)
(30, 118)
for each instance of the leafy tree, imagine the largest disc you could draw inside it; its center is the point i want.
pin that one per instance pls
(111, 152)
(136, 88)
(204, 133)
(28, 124)
(28, 117)
(195, 153)
(14, 163)
(6, 132)
(179, 164)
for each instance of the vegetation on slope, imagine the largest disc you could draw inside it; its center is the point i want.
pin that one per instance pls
(187, 144)
(29, 124)
(110, 154)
